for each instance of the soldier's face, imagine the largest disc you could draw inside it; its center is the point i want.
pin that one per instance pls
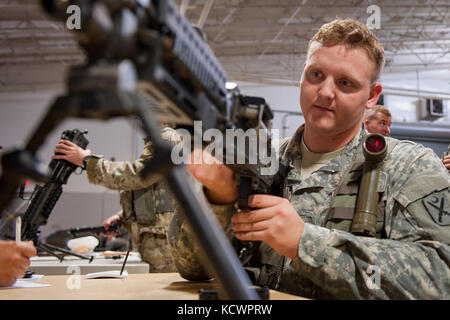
(380, 124)
(335, 88)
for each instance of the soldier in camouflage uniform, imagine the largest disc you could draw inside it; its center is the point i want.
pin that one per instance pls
(306, 245)
(147, 206)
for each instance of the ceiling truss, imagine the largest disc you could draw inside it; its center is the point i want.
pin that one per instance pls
(255, 40)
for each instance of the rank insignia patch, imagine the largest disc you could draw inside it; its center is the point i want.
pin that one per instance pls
(438, 206)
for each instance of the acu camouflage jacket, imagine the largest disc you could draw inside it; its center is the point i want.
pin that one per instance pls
(142, 199)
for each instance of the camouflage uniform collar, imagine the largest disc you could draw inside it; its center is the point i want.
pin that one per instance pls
(347, 153)
(293, 150)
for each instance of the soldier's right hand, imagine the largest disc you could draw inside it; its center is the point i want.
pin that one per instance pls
(107, 224)
(215, 176)
(14, 260)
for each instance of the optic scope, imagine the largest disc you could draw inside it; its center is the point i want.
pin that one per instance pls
(365, 217)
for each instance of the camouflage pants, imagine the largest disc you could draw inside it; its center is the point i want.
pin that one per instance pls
(154, 250)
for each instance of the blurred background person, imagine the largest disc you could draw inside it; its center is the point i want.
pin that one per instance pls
(147, 204)
(378, 120)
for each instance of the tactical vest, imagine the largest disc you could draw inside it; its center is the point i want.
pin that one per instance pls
(150, 201)
(264, 265)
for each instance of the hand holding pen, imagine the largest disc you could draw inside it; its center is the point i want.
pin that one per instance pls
(15, 258)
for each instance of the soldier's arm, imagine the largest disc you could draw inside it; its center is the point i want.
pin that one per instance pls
(124, 175)
(413, 263)
(118, 175)
(185, 251)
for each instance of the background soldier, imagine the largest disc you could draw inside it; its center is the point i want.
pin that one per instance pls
(147, 206)
(378, 120)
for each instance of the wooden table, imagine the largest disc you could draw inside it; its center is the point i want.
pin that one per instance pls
(151, 286)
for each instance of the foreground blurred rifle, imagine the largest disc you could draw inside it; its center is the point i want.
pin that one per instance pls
(145, 59)
(82, 231)
(45, 198)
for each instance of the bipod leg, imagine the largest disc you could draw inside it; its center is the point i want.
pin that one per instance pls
(42, 246)
(218, 254)
(68, 252)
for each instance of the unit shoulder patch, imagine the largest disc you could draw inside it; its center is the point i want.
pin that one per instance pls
(438, 206)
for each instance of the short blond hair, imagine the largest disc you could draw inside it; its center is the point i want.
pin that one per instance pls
(371, 113)
(354, 34)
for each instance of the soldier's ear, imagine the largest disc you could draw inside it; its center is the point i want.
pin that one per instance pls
(375, 92)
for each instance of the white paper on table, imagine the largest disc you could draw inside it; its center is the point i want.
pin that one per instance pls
(25, 283)
(107, 274)
(34, 277)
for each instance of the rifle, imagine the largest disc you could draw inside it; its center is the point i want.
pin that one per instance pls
(61, 237)
(45, 197)
(76, 232)
(144, 58)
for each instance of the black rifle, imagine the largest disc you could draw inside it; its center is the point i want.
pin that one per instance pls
(79, 231)
(61, 237)
(145, 58)
(46, 196)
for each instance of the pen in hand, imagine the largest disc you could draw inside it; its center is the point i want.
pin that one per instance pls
(18, 229)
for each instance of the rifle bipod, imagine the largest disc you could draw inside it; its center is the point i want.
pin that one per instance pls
(50, 249)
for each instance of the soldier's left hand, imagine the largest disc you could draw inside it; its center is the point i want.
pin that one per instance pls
(273, 220)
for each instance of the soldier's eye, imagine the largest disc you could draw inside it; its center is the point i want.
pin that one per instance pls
(345, 83)
(316, 75)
